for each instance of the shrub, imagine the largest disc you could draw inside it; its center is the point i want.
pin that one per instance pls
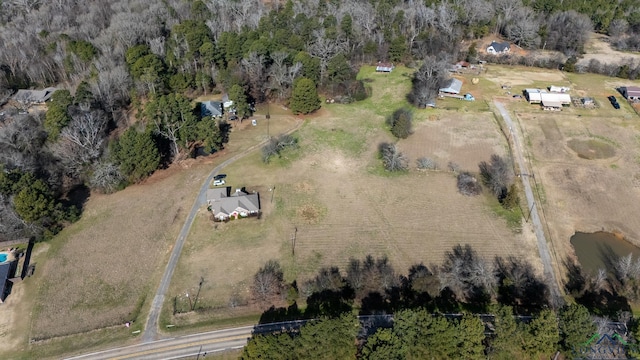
(425, 163)
(276, 145)
(392, 158)
(400, 123)
(468, 184)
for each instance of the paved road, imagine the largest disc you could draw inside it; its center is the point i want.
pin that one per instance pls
(151, 327)
(177, 348)
(543, 247)
(189, 346)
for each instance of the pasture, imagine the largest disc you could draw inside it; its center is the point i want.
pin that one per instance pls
(332, 196)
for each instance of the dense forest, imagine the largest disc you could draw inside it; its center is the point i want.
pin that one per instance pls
(129, 70)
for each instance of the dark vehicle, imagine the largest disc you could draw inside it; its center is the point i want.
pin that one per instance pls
(614, 102)
(219, 176)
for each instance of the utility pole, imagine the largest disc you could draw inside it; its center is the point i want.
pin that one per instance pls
(273, 190)
(268, 116)
(293, 241)
(530, 210)
(198, 293)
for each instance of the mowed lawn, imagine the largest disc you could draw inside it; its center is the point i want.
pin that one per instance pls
(334, 199)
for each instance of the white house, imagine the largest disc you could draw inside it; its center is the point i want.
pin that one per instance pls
(497, 48)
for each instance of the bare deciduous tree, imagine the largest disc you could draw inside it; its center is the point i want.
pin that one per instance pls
(81, 141)
(392, 158)
(468, 184)
(106, 177)
(268, 280)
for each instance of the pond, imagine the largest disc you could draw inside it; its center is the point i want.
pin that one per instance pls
(600, 249)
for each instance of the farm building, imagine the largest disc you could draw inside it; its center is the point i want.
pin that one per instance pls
(534, 96)
(211, 108)
(587, 101)
(632, 93)
(537, 96)
(384, 67)
(497, 48)
(551, 105)
(453, 87)
(559, 89)
(34, 96)
(225, 205)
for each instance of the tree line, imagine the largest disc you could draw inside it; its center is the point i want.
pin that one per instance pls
(422, 303)
(418, 334)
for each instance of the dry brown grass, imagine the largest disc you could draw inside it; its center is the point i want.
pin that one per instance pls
(354, 210)
(99, 270)
(103, 266)
(581, 194)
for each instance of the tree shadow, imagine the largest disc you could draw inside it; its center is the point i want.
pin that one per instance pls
(446, 302)
(519, 287)
(77, 197)
(600, 299)
(274, 314)
(375, 304)
(331, 303)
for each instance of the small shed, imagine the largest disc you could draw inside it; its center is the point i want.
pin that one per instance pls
(453, 87)
(587, 101)
(384, 67)
(559, 89)
(632, 93)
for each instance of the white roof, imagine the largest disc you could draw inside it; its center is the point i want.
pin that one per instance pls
(551, 103)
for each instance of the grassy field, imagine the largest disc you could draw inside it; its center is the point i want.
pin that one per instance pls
(334, 196)
(586, 161)
(331, 196)
(102, 271)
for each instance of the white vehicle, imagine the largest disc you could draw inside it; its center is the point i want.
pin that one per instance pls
(218, 182)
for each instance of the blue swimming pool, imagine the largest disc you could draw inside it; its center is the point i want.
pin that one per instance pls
(3, 257)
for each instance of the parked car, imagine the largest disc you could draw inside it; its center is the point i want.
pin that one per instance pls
(517, 96)
(218, 182)
(614, 102)
(219, 176)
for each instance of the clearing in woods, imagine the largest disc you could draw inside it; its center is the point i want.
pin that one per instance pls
(334, 198)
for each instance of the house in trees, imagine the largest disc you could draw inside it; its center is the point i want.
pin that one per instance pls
(497, 48)
(631, 93)
(384, 67)
(30, 97)
(452, 87)
(225, 205)
(211, 108)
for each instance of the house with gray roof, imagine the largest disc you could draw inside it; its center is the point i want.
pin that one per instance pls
(211, 108)
(7, 270)
(497, 48)
(25, 96)
(453, 86)
(225, 205)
